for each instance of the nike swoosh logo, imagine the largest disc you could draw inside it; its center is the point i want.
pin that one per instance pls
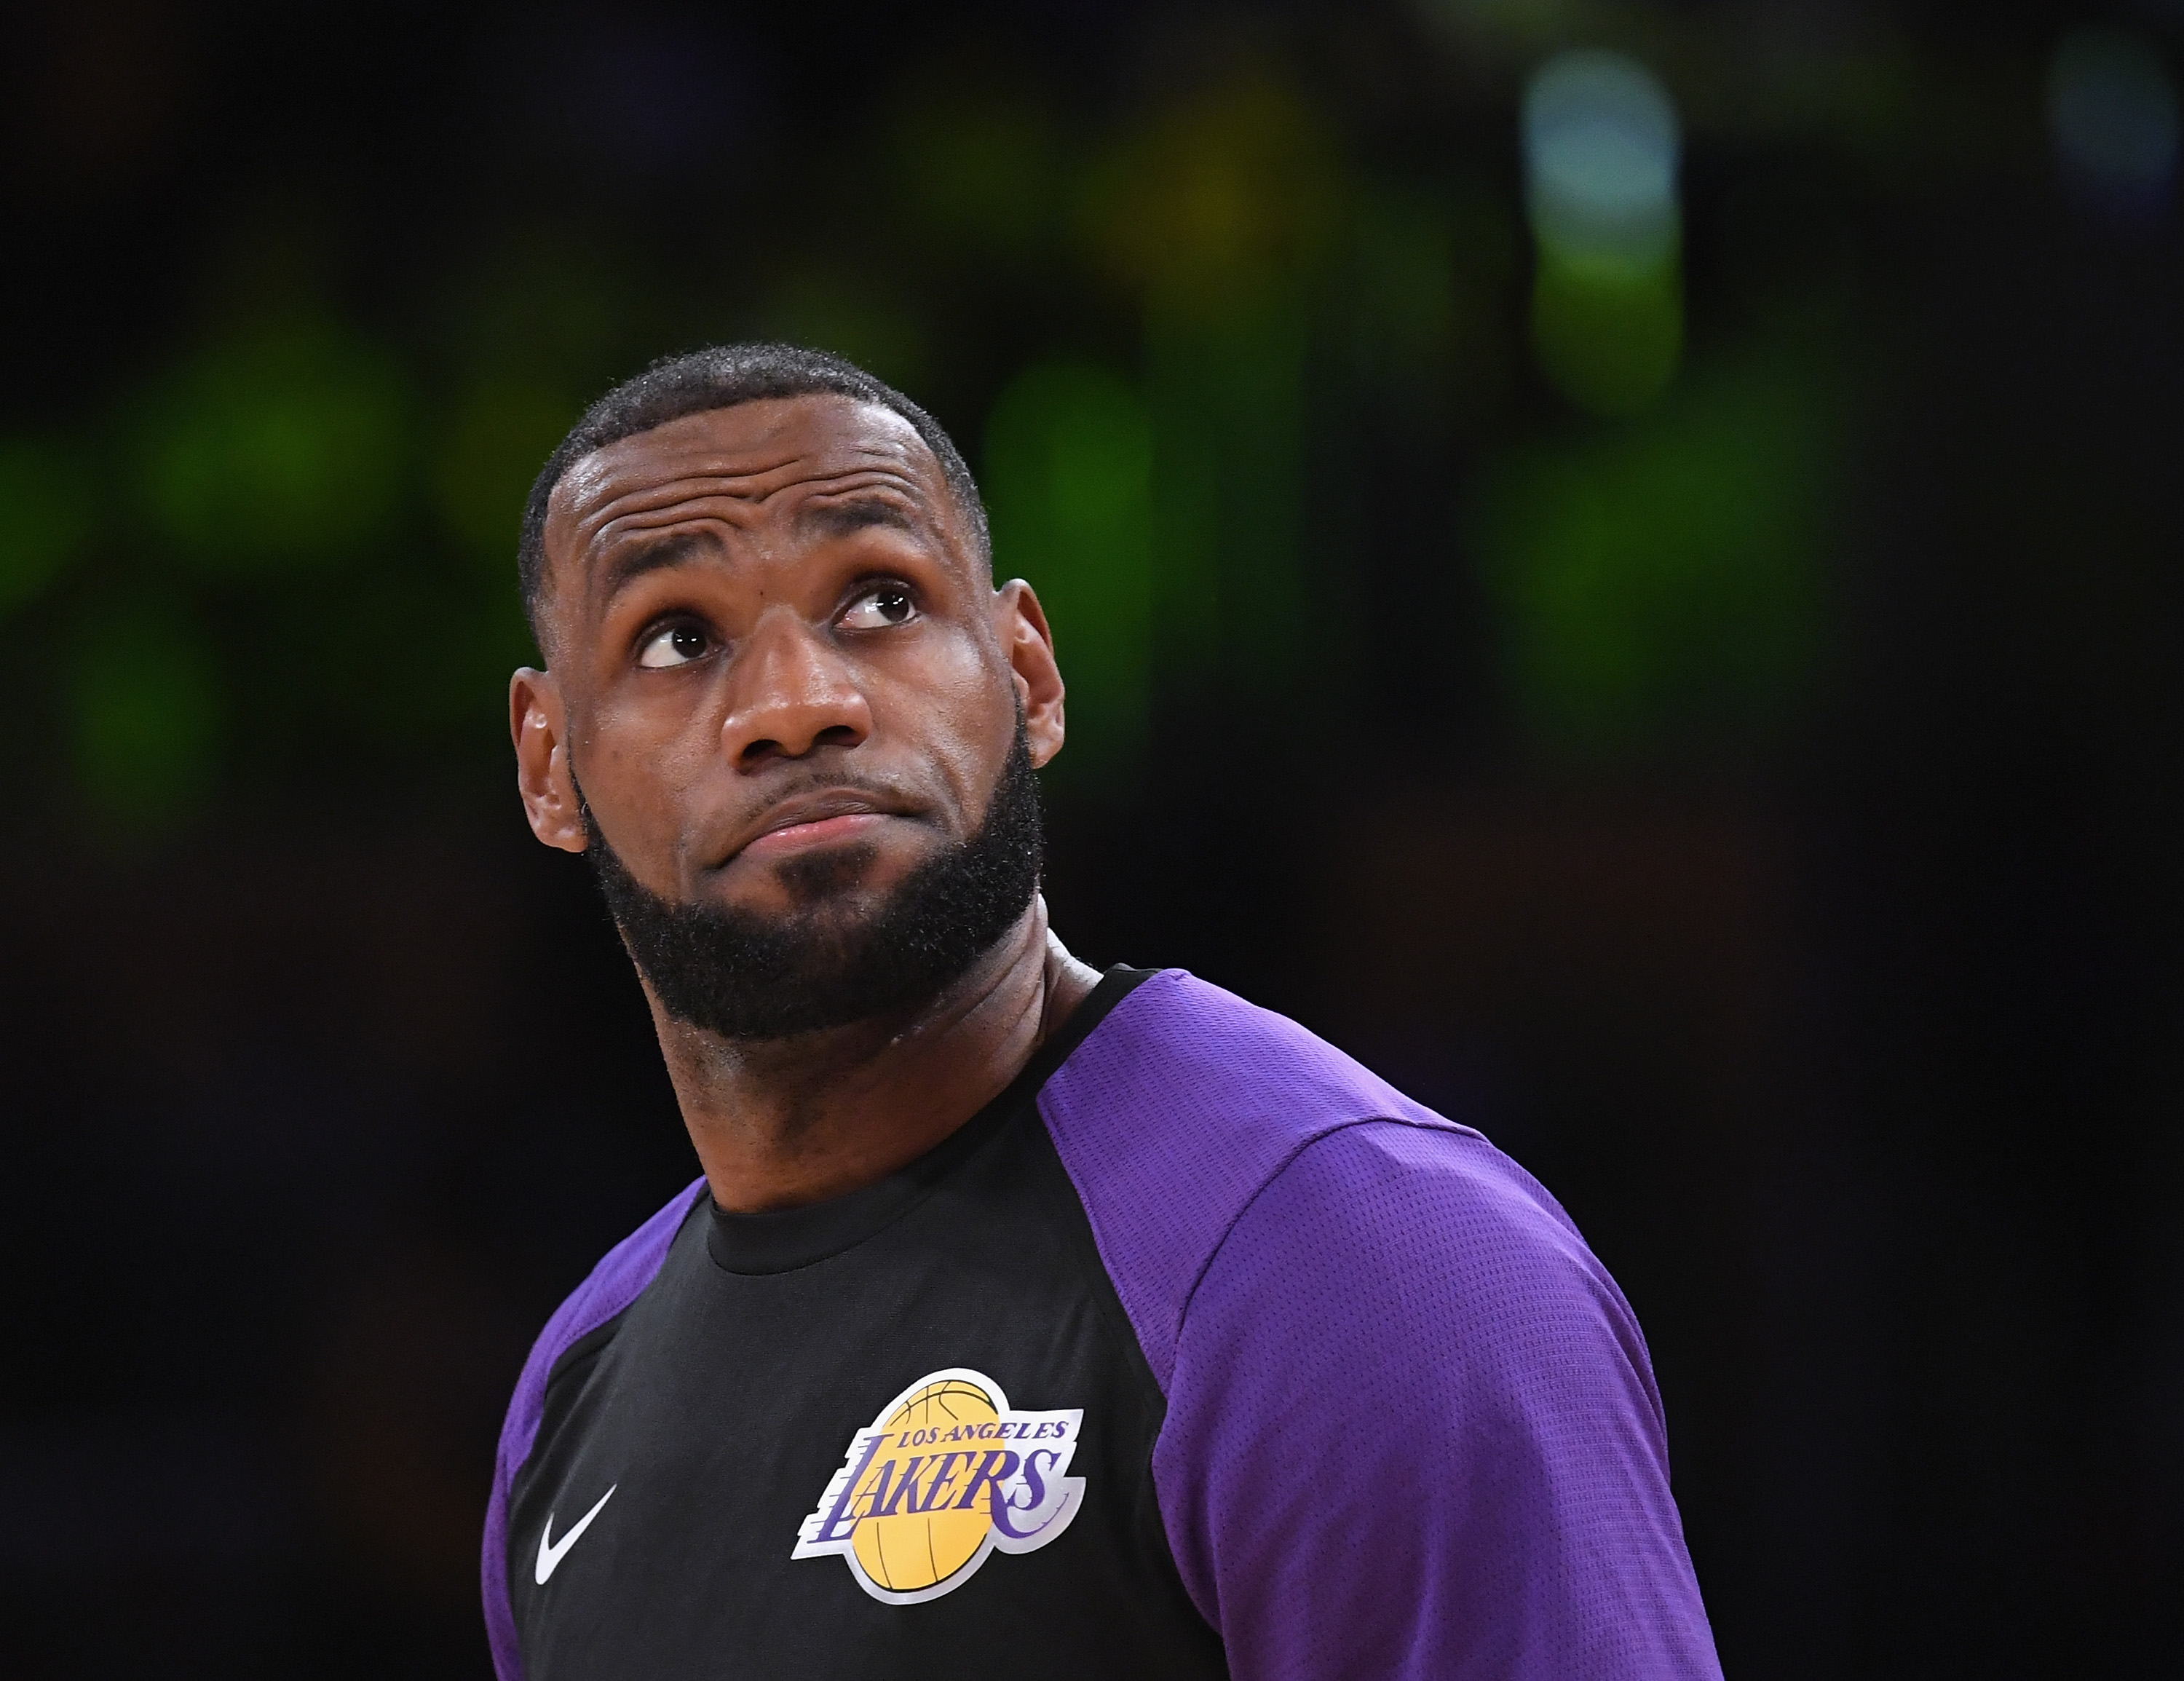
(551, 1552)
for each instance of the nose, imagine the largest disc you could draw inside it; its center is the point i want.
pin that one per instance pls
(793, 693)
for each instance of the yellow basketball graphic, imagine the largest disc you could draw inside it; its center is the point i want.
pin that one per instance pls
(946, 1475)
(903, 1551)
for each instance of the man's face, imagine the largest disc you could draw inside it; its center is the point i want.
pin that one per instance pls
(784, 681)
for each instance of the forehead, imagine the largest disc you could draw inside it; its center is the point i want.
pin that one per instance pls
(746, 465)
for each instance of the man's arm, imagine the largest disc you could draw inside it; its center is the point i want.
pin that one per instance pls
(1412, 1432)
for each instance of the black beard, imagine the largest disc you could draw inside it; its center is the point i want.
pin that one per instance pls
(747, 976)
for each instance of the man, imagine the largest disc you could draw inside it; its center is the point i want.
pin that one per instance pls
(1026, 1321)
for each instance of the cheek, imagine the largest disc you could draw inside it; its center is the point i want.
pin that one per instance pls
(956, 709)
(660, 723)
(639, 763)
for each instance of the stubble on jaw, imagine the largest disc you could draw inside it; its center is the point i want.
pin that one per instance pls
(837, 959)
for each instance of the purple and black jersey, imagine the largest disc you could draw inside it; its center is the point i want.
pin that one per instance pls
(1199, 1351)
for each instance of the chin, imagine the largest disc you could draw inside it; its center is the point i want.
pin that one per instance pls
(858, 871)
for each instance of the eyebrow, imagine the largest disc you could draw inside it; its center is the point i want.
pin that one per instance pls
(635, 560)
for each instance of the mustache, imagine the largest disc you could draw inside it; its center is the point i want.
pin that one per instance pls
(887, 795)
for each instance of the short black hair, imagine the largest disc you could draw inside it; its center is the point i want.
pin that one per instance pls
(723, 377)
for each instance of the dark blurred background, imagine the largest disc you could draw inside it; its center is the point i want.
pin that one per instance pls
(1635, 591)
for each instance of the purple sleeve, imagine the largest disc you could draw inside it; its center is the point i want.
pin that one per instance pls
(1411, 1429)
(1412, 1432)
(616, 1281)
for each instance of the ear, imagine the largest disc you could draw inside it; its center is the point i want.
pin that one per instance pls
(1029, 645)
(540, 726)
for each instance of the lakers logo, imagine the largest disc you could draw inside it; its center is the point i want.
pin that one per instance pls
(947, 1473)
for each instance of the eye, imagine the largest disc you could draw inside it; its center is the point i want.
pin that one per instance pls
(876, 609)
(676, 645)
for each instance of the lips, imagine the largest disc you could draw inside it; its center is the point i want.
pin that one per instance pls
(814, 820)
(822, 831)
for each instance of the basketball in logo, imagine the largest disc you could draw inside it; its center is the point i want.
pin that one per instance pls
(947, 1474)
(911, 1550)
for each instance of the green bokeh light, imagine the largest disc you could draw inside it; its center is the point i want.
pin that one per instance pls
(837, 307)
(1229, 403)
(47, 513)
(1404, 293)
(497, 437)
(1608, 337)
(1602, 150)
(145, 709)
(980, 174)
(280, 449)
(1664, 575)
(1217, 200)
(1068, 483)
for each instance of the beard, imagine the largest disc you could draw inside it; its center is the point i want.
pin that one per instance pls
(744, 976)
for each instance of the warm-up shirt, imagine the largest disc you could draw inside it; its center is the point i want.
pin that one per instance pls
(1199, 1351)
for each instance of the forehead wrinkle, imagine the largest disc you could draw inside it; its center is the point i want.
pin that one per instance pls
(609, 528)
(731, 484)
(754, 466)
(758, 485)
(894, 490)
(684, 501)
(764, 468)
(853, 481)
(625, 545)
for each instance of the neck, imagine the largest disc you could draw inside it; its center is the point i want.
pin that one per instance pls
(783, 1123)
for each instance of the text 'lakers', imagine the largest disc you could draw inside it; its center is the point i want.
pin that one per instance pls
(946, 1474)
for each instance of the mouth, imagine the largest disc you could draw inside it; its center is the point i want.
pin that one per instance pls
(814, 820)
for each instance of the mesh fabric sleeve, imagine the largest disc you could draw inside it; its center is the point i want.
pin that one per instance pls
(1412, 1432)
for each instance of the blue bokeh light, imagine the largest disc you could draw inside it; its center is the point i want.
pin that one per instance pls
(2112, 111)
(1601, 150)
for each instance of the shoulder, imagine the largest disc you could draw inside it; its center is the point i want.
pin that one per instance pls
(1411, 1425)
(1412, 1430)
(1394, 1256)
(620, 1277)
(1181, 1107)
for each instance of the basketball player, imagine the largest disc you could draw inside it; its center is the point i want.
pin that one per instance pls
(1026, 1321)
